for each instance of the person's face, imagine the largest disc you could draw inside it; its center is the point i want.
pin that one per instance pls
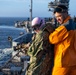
(60, 17)
(36, 29)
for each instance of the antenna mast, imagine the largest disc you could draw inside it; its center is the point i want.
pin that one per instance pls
(31, 11)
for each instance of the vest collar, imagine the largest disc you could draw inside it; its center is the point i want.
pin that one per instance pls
(67, 19)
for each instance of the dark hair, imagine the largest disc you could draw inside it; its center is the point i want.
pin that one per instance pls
(61, 9)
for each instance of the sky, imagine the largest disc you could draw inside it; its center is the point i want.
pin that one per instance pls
(21, 8)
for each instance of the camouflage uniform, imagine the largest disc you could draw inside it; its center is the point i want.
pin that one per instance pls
(41, 53)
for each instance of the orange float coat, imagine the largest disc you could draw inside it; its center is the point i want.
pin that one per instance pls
(64, 40)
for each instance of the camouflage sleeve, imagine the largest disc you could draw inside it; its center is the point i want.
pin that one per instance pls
(36, 45)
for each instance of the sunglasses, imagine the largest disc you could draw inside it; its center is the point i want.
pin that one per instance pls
(35, 28)
(58, 9)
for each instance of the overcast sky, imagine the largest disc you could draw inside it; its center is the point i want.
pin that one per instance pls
(20, 8)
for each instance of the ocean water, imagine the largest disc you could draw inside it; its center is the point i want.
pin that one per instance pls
(7, 29)
(9, 21)
(6, 32)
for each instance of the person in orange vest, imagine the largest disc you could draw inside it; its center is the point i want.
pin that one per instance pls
(64, 40)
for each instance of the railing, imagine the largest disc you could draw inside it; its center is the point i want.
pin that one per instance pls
(25, 38)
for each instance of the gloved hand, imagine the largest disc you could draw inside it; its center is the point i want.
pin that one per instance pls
(26, 46)
(17, 47)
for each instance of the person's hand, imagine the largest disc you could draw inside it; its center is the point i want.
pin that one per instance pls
(26, 45)
(17, 47)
